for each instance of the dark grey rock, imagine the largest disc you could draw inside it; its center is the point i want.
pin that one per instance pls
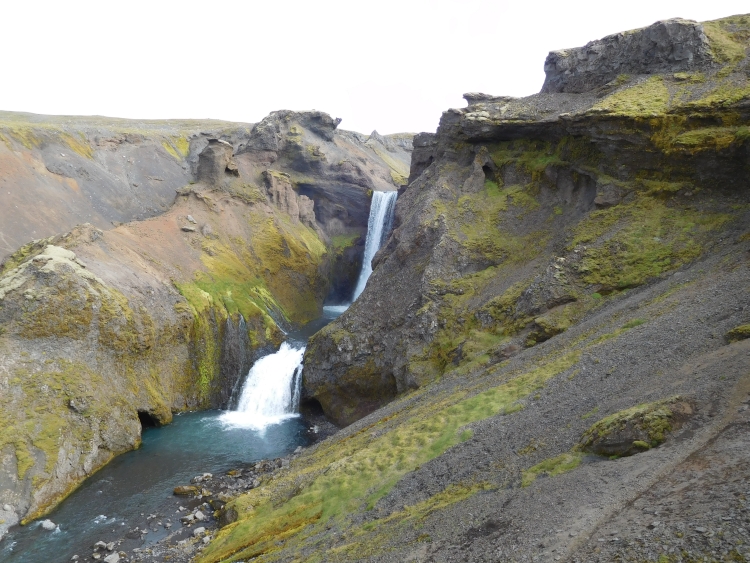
(673, 45)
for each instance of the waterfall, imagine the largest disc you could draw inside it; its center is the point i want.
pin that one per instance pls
(378, 227)
(271, 391)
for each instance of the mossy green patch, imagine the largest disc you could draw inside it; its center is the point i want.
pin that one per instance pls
(553, 466)
(79, 145)
(648, 422)
(177, 146)
(644, 239)
(643, 99)
(480, 227)
(25, 252)
(728, 43)
(372, 538)
(63, 310)
(339, 243)
(738, 333)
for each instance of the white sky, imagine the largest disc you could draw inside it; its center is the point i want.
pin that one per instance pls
(390, 65)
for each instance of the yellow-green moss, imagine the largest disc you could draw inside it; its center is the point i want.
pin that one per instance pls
(27, 251)
(646, 98)
(372, 538)
(341, 242)
(654, 419)
(65, 310)
(727, 46)
(79, 145)
(551, 467)
(738, 333)
(644, 239)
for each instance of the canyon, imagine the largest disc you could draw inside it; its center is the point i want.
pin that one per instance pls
(550, 360)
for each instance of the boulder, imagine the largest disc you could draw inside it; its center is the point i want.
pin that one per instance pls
(215, 162)
(636, 429)
(186, 490)
(674, 45)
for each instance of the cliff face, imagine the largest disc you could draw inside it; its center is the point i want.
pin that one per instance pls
(518, 211)
(108, 327)
(556, 329)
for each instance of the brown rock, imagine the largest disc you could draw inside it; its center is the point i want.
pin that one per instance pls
(186, 490)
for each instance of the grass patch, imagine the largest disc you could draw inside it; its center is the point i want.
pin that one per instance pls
(727, 46)
(634, 323)
(551, 467)
(647, 98)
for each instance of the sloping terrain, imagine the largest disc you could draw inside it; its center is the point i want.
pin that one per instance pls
(552, 340)
(106, 328)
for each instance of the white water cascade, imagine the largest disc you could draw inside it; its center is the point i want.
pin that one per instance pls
(271, 391)
(378, 226)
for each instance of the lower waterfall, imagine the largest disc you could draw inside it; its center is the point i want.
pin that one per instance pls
(271, 391)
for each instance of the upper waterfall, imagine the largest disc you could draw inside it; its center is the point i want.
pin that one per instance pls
(378, 226)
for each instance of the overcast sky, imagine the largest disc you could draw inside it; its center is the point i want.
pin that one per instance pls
(390, 65)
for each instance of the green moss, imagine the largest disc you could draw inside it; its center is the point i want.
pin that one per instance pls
(20, 256)
(80, 145)
(738, 333)
(644, 239)
(647, 98)
(372, 538)
(480, 228)
(634, 323)
(246, 192)
(64, 310)
(724, 93)
(710, 138)
(551, 467)
(339, 243)
(727, 46)
(653, 420)
(694, 77)
(589, 414)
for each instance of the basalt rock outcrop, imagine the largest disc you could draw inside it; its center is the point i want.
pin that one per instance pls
(669, 46)
(203, 241)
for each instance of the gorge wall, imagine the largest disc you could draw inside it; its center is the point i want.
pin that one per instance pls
(174, 230)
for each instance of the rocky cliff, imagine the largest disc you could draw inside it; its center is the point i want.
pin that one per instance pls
(519, 210)
(554, 336)
(190, 229)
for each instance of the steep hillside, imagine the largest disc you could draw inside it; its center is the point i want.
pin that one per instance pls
(106, 328)
(553, 336)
